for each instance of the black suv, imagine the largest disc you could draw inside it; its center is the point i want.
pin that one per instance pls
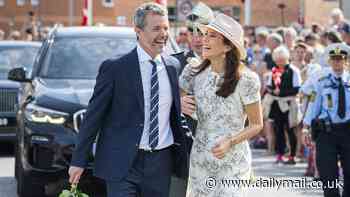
(12, 54)
(54, 100)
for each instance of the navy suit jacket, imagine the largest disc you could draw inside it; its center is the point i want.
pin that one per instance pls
(116, 114)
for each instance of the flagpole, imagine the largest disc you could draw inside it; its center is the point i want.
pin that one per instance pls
(247, 12)
(71, 12)
(90, 13)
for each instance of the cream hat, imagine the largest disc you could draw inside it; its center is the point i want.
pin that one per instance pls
(230, 29)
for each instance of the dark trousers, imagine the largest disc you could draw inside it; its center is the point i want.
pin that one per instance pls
(330, 148)
(149, 176)
(280, 125)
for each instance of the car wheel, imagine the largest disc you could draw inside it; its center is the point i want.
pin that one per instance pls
(26, 186)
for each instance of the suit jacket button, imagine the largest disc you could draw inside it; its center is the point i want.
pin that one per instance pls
(141, 125)
(137, 145)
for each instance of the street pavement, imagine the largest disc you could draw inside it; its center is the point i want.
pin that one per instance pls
(265, 169)
(7, 180)
(263, 165)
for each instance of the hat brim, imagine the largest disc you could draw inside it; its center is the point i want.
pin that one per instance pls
(239, 46)
(338, 55)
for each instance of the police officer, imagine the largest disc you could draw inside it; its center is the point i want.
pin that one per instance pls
(201, 14)
(329, 117)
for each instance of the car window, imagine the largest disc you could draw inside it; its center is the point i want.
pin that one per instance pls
(80, 58)
(12, 57)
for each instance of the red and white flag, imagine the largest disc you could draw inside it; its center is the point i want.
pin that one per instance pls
(84, 21)
(162, 2)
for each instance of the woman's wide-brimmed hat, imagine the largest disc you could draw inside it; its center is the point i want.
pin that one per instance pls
(229, 28)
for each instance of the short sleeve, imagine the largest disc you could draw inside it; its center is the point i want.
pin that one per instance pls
(249, 88)
(315, 105)
(186, 80)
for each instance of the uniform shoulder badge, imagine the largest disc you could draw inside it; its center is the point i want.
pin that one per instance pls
(329, 101)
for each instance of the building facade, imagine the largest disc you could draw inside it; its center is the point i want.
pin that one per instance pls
(345, 6)
(14, 13)
(271, 13)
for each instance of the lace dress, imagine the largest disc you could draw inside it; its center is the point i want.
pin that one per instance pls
(218, 117)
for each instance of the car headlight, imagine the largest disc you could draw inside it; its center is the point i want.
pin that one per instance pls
(39, 114)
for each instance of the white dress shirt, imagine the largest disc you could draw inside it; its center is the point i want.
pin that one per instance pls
(166, 137)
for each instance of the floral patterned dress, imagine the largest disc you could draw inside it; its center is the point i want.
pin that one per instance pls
(217, 118)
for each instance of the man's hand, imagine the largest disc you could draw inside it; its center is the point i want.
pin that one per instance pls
(306, 137)
(75, 174)
(188, 105)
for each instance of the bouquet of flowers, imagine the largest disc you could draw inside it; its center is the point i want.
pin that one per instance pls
(73, 192)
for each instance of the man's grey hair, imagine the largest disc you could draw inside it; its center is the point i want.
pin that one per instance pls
(281, 52)
(144, 10)
(276, 37)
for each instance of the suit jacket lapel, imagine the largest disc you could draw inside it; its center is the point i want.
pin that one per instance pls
(135, 76)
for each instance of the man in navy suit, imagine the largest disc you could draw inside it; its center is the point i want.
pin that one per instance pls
(135, 111)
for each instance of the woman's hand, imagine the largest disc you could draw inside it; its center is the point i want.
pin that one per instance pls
(223, 146)
(188, 105)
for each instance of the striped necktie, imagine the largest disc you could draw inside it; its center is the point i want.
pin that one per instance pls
(154, 107)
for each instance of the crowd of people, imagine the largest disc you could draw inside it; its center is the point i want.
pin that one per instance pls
(290, 61)
(30, 30)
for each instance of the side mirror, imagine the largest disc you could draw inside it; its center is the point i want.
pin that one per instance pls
(18, 74)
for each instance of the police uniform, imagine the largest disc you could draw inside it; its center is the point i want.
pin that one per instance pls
(329, 117)
(184, 57)
(200, 14)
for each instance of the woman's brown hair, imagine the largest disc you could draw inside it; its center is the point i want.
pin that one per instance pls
(231, 75)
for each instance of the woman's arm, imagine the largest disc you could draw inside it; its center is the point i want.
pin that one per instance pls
(254, 113)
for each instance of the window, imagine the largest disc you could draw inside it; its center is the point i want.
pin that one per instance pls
(108, 3)
(2, 2)
(35, 2)
(236, 13)
(21, 2)
(121, 20)
(89, 51)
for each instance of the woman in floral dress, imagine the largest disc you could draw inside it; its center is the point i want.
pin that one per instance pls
(225, 93)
